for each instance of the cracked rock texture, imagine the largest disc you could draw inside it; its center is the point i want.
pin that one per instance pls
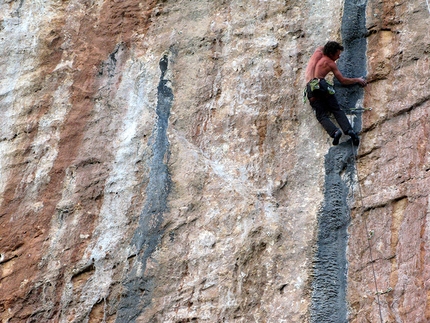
(394, 170)
(158, 163)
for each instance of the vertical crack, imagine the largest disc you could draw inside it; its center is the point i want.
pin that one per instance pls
(329, 304)
(139, 284)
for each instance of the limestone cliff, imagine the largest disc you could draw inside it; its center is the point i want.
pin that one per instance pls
(158, 163)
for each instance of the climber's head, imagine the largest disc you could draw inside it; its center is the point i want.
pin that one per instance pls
(332, 49)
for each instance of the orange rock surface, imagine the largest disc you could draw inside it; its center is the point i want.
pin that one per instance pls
(158, 163)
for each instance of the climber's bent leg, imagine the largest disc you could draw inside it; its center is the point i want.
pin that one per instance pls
(339, 114)
(320, 106)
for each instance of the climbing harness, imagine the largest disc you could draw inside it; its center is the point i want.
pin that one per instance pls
(320, 86)
(377, 292)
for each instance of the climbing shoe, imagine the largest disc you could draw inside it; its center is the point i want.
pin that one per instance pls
(336, 137)
(354, 137)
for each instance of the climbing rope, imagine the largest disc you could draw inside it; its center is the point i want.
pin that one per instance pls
(367, 231)
(428, 7)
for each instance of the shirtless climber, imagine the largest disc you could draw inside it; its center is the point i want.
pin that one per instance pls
(321, 94)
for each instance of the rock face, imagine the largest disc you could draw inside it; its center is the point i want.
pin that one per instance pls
(158, 163)
(393, 169)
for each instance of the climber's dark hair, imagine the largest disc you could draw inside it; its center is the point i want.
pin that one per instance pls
(331, 48)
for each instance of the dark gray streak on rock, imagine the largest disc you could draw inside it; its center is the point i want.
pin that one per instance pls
(139, 285)
(329, 304)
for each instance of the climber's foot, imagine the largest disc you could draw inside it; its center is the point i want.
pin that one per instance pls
(336, 137)
(354, 137)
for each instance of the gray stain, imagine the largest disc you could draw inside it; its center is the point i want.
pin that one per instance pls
(138, 287)
(329, 304)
